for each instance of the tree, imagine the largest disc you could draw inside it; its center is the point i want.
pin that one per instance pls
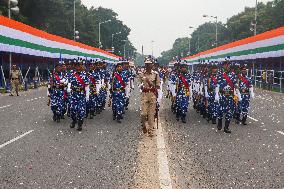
(270, 16)
(56, 17)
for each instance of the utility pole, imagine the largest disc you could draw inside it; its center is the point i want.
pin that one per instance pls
(152, 42)
(12, 7)
(255, 17)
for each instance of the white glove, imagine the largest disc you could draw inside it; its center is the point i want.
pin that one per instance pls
(217, 97)
(63, 81)
(87, 89)
(190, 92)
(48, 87)
(200, 89)
(206, 92)
(239, 95)
(97, 87)
(252, 95)
(68, 87)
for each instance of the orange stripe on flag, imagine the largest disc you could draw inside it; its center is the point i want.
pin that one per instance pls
(260, 37)
(36, 32)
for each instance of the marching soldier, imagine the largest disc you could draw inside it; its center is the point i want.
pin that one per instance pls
(183, 93)
(94, 78)
(172, 87)
(150, 84)
(78, 87)
(104, 85)
(126, 75)
(15, 81)
(56, 92)
(117, 93)
(213, 106)
(227, 83)
(246, 90)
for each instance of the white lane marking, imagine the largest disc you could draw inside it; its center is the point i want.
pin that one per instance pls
(164, 172)
(252, 118)
(15, 139)
(5, 106)
(282, 133)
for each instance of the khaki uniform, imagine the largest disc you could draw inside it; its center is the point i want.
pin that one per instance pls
(149, 99)
(15, 81)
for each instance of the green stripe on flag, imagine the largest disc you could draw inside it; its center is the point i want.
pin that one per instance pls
(21, 43)
(244, 52)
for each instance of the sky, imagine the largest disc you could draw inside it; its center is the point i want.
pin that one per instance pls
(163, 21)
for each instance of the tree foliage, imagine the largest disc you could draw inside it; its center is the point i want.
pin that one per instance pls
(56, 17)
(270, 16)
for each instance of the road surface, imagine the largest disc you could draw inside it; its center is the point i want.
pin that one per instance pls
(36, 152)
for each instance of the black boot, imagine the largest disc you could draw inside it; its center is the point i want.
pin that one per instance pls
(57, 118)
(238, 120)
(91, 114)
(183, 118)
(114, 115)
(98, 110)
(177, 114)
(209, 117)
(54, 116)
(197, 108)
(219, 126)
(80, 124)
(214, 120)
(226, 128)
(104, 105)
(204, 114)
(68, 111)
(73, 124)
(244, 120)
(118, 118)
(201, 110)
(87, 112)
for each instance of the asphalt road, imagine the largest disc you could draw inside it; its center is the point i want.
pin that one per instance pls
(35, 152)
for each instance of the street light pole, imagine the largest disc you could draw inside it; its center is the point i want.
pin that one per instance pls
(74, 19)
(216, 39)
(189, 46)
(124, 49)
(255, 22)
(9, 9)
(99, 35)
(152, 42)
(112, 37)
(12, 7)
(100, 31)
(10, 54)
(216, 32)
(255, 17)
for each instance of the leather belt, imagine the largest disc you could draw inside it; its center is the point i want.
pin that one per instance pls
(78, 89)
(118, 90)
(151, 90)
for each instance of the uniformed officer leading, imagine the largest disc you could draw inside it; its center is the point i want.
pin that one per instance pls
(15, 80)
(150, 83)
